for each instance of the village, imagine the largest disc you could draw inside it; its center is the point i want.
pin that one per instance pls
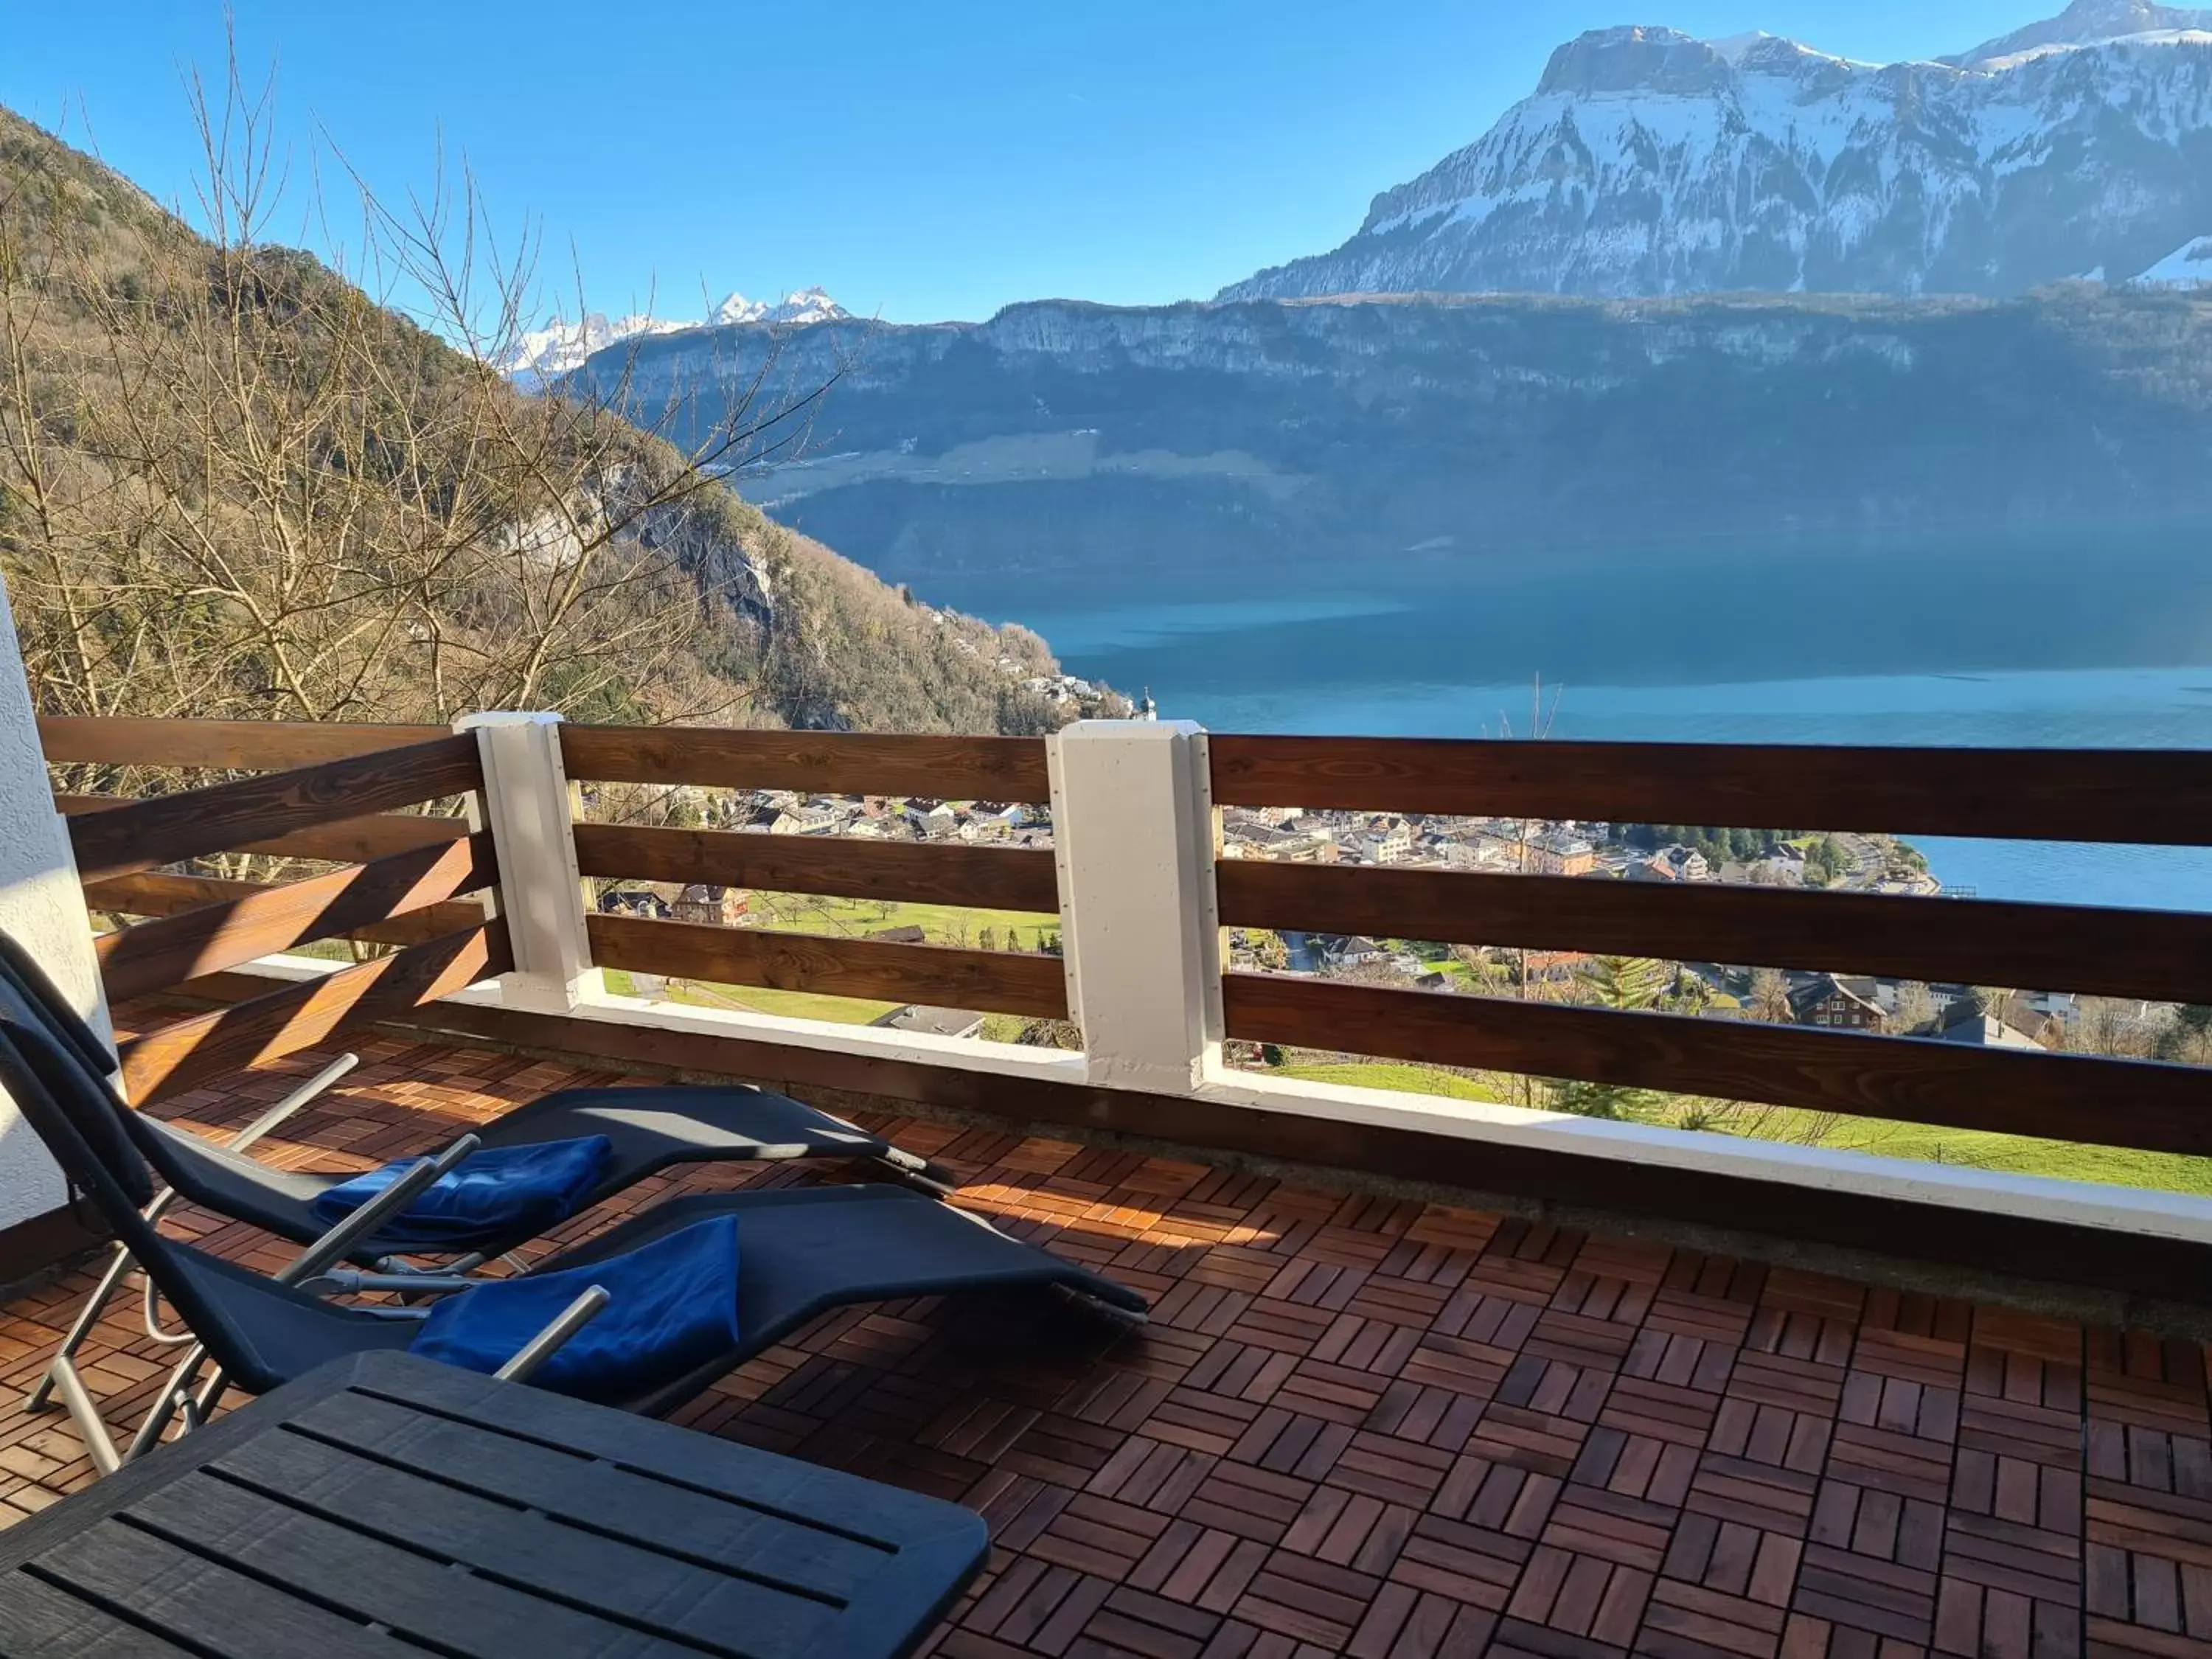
(1569, 849)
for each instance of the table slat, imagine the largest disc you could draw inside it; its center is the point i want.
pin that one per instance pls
(676, 1598)
(351, 1569)
(767, 1548)
(203, 1603)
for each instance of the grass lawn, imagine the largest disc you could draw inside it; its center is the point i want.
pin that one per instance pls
(761, 1000)
(2010, 1154)
(790, 1005)
(858, 918)
(1400, 1079)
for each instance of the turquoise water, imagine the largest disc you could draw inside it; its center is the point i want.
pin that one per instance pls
(2000, 653)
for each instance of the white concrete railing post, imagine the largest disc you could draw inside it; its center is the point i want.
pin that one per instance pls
(529, 806)
(42, 908)
(1133, 835)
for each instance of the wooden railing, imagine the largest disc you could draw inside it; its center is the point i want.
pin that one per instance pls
(1010, 769)
(401, 881)
(2163, 799)
(404, 878)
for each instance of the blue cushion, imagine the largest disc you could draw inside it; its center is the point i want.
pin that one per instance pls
(673, 1308)
(503, 1192)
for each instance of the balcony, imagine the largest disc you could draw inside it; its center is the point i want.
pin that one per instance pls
(1425, 1372)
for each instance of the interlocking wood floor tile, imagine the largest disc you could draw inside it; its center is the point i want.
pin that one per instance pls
(1355, 1425)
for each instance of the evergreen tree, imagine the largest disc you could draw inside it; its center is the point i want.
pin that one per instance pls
(1625, 984)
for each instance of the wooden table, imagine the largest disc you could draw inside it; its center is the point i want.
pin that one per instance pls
(386, 1497)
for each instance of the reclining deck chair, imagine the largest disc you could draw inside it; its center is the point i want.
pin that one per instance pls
(800, 1252)
(650, 1129)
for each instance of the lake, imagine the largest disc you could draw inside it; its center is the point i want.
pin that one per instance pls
(1998, 646)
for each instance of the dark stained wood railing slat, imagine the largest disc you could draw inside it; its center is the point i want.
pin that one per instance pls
(2135, 796)
(2157, 955)
(154, 956)
(987, 878)
(188, 1051)
(993, 980)
(837, 762)
(169, 828)
(220, 745)
(352, 841)
(153, 893)
(2155, 1107)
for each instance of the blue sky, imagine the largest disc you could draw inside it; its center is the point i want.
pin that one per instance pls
(920, 158)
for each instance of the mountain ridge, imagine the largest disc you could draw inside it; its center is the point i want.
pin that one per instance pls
(1291, 442)
(1650, 162)
(558, 345)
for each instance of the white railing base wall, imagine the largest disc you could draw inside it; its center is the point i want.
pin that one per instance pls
(1134, 832)
(2138, 1212)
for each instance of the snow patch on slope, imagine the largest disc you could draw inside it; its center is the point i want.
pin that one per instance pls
(2188, 266)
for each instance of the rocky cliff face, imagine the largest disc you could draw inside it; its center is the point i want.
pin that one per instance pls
(1315, 440)
(1650, 163)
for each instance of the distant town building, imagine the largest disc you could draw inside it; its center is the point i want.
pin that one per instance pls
(1354, 952)
(1671, 864)
(710, 907)
(1848, 1005)
(1549, 967)
(932, 1022)
(1560, 853)
(2017, 1024)
(1967, 1023)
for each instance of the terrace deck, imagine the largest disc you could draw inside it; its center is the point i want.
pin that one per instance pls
(1368, 1427)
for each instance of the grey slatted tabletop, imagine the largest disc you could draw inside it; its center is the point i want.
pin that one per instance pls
(385, 1505)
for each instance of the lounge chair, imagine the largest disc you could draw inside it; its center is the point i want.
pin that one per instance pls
(650, 1129)
(800, 1252)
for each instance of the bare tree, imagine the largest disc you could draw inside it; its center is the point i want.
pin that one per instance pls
(234, 483)
(1770, 997)
(1915, 1007)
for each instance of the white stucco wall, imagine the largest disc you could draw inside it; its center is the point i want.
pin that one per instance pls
(42, 907)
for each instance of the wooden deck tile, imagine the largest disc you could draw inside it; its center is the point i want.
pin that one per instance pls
(1389, 1431)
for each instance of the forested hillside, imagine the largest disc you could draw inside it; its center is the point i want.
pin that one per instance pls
(233, 484)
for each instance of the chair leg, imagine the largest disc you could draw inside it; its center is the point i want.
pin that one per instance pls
(94, 1304)
(98, 1442)
(87, 1315)
(176, 1393)
(918, 1171)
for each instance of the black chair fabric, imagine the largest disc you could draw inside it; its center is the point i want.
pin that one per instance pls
(801, 1252)
(651, 1127)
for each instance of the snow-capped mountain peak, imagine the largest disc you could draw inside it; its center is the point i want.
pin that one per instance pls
(558, 345)
(808, 306)
(2085, 23)
(1648, 161)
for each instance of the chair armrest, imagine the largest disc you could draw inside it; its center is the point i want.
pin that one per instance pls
(364, 1222)
(543, 1346)
(293, 1102)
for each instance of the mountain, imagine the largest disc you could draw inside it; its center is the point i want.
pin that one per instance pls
(557, 345)
(234, 486)
(2086, 23)
(1648, 163)
(1323, 446)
